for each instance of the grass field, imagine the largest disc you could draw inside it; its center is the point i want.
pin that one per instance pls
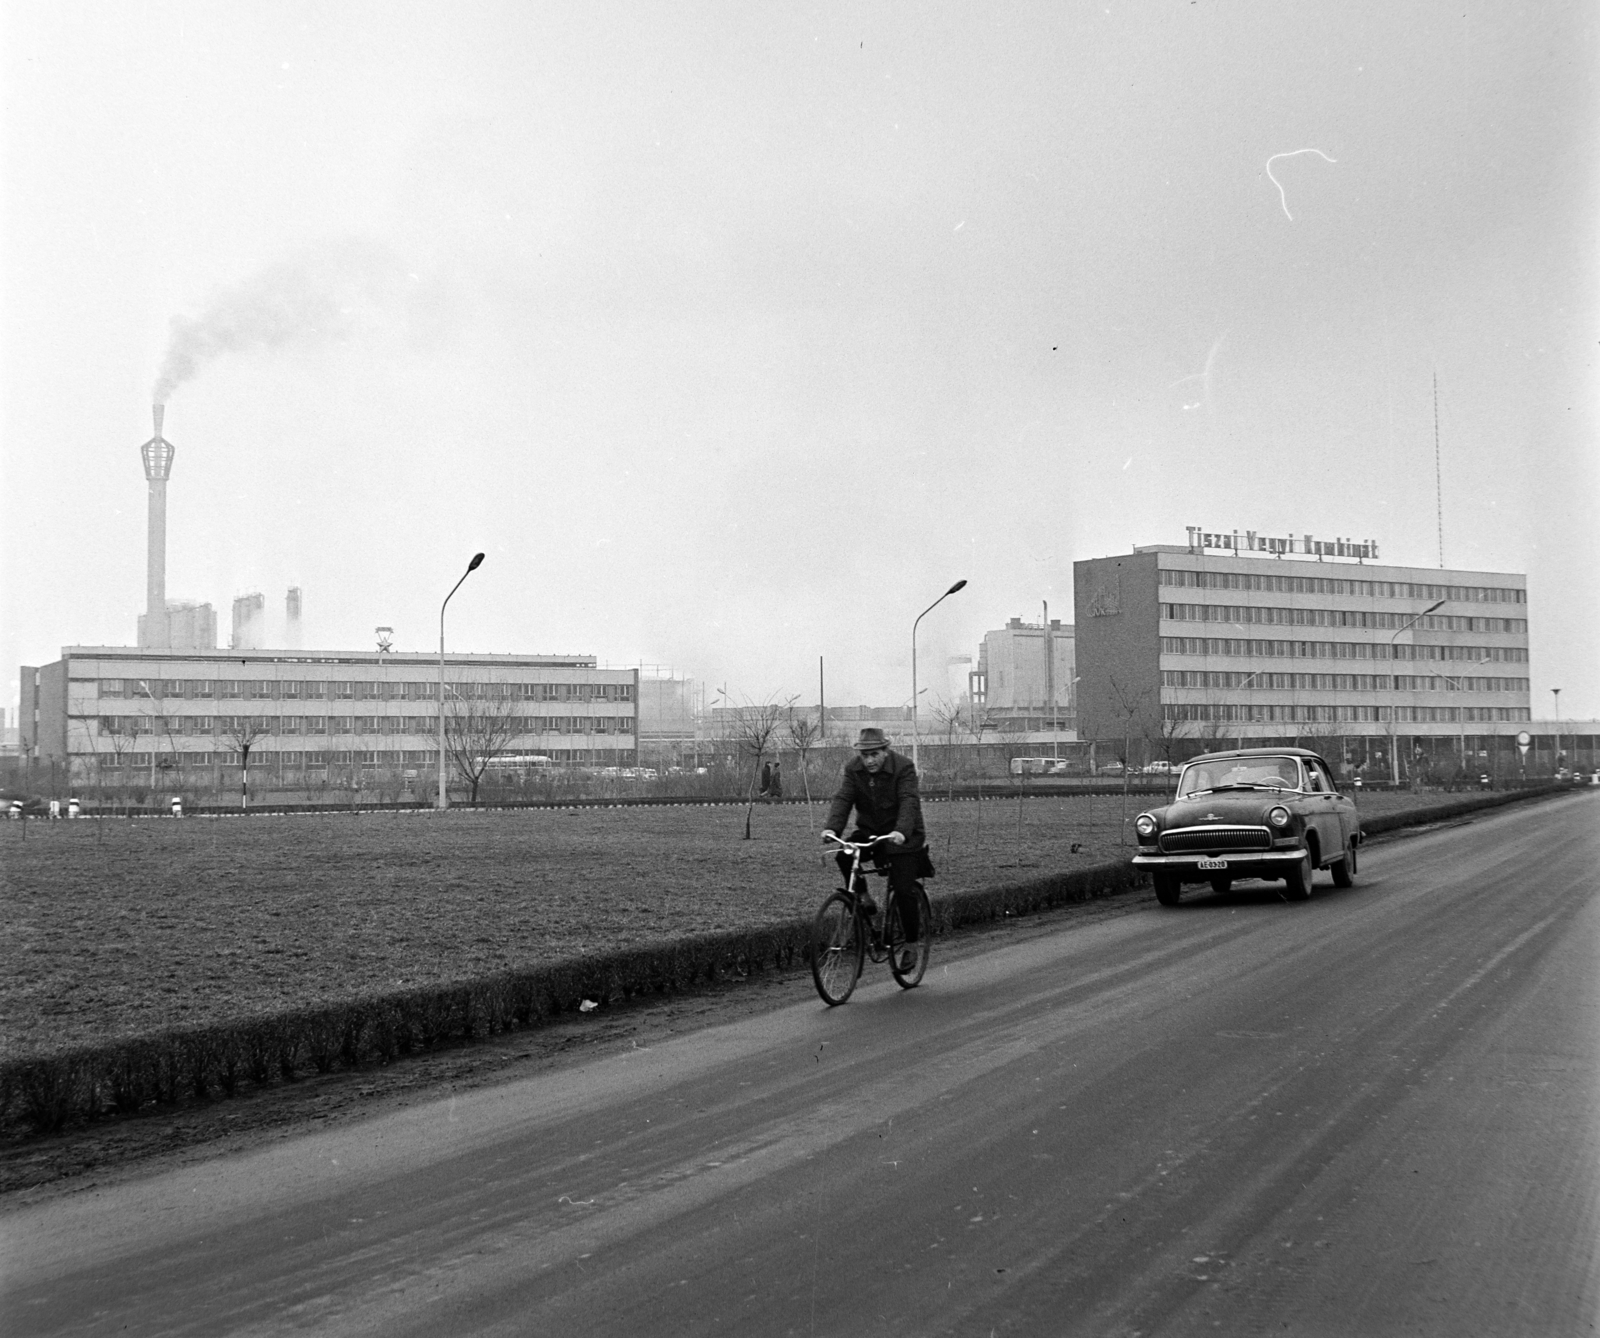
(116, 927)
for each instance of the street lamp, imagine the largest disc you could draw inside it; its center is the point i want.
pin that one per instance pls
(443, 801)
(1461, 719)
(1394, 761)
(919, 618)
(1238, 722)
(1556, 757)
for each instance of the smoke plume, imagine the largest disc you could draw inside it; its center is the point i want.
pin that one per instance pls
(329, 293)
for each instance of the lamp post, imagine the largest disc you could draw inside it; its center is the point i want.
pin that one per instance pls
(443, 800)
(919, 618)
(1394, 761)
(1461, 720)
(1555, 759)
(1238, 723)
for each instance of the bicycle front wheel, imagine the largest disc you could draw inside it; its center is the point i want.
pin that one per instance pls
(837, 946)
(908, 961)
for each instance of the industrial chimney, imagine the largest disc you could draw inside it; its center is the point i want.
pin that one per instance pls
(154, 628)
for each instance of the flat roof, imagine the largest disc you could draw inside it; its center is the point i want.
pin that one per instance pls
(1348, 568)
(410, 659)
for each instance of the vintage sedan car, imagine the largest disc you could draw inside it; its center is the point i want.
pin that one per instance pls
(1270, 813)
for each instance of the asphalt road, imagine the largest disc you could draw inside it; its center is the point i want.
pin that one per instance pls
(1374, 1113)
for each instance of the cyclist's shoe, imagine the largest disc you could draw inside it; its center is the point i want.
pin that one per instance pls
(908, 959)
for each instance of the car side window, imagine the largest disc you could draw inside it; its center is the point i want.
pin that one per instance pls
(1319, 782)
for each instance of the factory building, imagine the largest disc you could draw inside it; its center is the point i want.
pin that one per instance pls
(1026, 680)
(167, 720)
(1237, 639)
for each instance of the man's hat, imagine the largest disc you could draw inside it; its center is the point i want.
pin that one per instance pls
(871, 738)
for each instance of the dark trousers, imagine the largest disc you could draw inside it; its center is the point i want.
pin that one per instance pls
(902, 885)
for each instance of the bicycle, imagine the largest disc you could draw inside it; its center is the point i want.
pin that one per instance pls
(844, 933)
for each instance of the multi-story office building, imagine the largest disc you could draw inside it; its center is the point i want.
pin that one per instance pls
(1180, 648)
(178, 719)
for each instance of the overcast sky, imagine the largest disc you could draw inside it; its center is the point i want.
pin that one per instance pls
(734, 334)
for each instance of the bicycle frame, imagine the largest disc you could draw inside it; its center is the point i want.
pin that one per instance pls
(858, 851)
(839, 945)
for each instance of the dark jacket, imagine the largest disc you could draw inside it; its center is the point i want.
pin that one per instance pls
(884, 801)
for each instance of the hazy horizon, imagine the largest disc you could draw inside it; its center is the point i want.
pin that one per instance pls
(734, 337)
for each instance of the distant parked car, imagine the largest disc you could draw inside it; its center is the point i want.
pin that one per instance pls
(1111, 768)
(1160, 767)
(1271, 813)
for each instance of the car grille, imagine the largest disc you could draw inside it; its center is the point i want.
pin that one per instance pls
(1219, 837)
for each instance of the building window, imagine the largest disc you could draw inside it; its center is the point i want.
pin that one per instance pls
(316, 691)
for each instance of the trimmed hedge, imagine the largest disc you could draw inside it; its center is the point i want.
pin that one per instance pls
(1456, 808)
(43, 1092)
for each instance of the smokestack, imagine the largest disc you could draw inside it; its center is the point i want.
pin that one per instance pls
(154, 630)
(291, 610)
(249, 618)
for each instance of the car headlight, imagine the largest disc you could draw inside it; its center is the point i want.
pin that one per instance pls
(1278, 816)
(1145, 825)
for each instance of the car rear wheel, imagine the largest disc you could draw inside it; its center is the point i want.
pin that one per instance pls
(1297, 882)
(1168, 889)
(1344, 870)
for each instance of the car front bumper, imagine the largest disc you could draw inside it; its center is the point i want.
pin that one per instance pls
(1241, 863)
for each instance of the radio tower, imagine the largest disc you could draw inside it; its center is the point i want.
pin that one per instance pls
(1438, 472)
(154, 629)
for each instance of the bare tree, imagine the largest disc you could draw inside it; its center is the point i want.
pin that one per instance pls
(478, 728)
(758, 724)
(952, 723)
(1130, 705)
(242, 731)
(122, 734)
(160, 727)
(805, 730)
(1165, 736)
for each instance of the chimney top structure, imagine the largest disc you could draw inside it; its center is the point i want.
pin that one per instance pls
(154, 628)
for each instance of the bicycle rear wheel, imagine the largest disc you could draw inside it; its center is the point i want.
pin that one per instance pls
(837, 945)
(908, 970)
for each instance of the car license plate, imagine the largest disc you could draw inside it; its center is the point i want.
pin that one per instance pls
(1207, 865)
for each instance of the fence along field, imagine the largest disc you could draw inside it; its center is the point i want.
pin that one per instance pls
(160, 960)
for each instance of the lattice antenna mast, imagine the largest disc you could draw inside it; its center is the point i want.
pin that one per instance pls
(1438, 472)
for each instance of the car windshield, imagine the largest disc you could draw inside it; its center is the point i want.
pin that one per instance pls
(1240, 773)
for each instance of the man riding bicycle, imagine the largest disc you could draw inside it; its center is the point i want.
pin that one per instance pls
(881, 786)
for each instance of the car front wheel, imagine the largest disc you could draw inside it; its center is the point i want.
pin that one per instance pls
(1168, 889)
(1297, 882)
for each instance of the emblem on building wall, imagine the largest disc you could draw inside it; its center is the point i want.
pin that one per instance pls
(1105, 597)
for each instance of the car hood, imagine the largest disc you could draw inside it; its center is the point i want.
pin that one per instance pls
(1227, 806)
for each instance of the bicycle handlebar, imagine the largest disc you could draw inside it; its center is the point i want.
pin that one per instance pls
(853, 845)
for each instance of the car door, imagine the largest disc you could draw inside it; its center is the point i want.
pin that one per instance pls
(1328, 813)
(1345, 807)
